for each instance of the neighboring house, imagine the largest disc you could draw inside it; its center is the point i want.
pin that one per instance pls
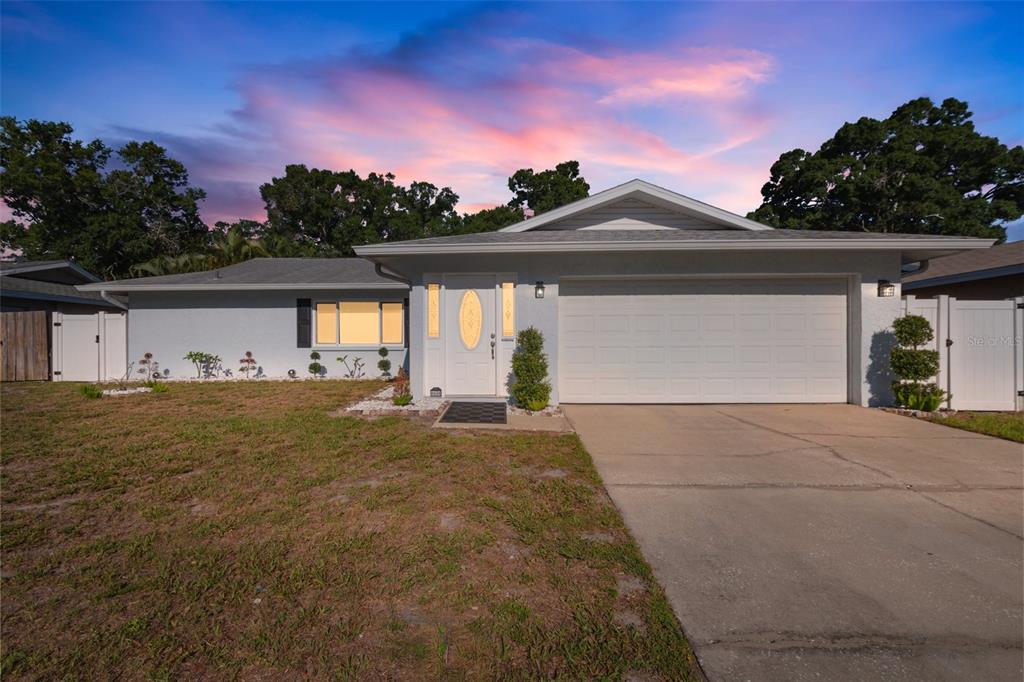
(647, 296)
(643, 296)
(988, 274)
(280, 309)
(50, 286)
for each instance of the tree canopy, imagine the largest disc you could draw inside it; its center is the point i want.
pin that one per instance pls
(67, 203)
(138, 214)
(923, 170)
(547, 189)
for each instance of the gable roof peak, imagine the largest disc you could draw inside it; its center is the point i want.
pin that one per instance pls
(649, 192)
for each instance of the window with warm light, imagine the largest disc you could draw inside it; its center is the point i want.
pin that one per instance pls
(508, 309)
(360, 323)
(433, 310)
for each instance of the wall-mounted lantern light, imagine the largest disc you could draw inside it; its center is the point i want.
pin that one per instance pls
(886, 289)
(538, 290)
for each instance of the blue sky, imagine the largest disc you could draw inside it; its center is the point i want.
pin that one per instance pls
(701, 98)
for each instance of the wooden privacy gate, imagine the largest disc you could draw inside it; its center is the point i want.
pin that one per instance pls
(25, 344)
(981, 350)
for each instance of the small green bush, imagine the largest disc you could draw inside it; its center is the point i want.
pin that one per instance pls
(315, 368)
(530, 385)
(913, 366)
(384, 365)
(158, 387)
(90, 391)
(402, 400)
(913, 331)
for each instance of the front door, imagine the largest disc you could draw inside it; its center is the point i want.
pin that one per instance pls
(470, 366)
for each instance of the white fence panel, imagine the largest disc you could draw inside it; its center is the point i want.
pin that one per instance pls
(91, 347)
(981, 352)
(984, 355)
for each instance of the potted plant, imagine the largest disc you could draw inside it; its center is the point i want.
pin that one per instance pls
(914, 365)
(530, 387)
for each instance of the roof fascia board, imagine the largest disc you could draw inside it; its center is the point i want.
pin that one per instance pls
(397, 249)
(639, 187)
(972, 276)
(70, 265)
(34, 296)
(115, 287)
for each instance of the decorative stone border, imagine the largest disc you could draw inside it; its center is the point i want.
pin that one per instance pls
(917, 414)
(126, 391)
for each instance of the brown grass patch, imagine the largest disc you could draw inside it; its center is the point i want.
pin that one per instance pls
(237, 530)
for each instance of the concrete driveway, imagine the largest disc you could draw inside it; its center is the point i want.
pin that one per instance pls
(823, 542)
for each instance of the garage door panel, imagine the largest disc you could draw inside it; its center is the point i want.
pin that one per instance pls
(703, 341)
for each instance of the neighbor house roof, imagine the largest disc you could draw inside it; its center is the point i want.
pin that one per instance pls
(19, 287)
(914, 246)
(264, 273)
(38, 269)
(639, 189)
(997, 261)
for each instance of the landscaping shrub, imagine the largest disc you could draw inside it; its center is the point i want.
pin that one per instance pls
(914, 366)
(530, 386)
(248, 363)
(384, 365)
(315, 368)
(90, 391)
(205, 363)
(400, 388)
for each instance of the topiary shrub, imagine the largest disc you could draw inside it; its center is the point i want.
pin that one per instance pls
(384, 365)
(315, 368)
(914, 365)
(530, 386)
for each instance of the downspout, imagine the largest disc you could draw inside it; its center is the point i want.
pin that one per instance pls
(379, 269)
(112, 301)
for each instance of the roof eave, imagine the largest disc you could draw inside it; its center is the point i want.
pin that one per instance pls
(915, 245)
(347, 286)
(957, 278)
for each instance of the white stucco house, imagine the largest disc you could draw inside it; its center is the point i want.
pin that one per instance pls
(643, 296)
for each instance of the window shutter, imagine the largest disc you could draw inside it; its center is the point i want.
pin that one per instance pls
(304, 322)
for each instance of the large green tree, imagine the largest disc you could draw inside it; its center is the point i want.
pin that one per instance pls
(548, 189)
(67, 203)
(336, 210)
(923, 170)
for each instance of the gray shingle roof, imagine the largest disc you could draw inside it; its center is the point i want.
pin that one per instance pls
(265, 273)
(34, 288)
(626, 236)
(996, 259)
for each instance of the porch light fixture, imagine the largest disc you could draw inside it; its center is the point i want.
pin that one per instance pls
(886, 289)
(538, 290)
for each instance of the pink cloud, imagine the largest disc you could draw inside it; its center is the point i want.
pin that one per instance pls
(470, 123)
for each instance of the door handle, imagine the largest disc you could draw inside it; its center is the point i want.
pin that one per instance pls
(492, 346)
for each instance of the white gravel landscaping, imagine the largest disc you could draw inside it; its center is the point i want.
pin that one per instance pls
(379, 404)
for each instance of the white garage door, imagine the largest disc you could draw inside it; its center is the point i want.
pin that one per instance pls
(702, 341)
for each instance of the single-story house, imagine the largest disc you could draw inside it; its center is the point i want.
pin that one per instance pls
(279, 309)
(50, 286)
(990, 274)
(643, 296)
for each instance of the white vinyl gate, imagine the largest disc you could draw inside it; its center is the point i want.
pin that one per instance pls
(981, 354)
(91, 347)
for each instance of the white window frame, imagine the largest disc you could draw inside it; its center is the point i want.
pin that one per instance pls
(337, 324)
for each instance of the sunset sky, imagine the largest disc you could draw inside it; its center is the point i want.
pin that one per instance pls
(700, 98)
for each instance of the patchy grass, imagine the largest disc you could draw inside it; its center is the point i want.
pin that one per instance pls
(1008, 425)
(237, 530)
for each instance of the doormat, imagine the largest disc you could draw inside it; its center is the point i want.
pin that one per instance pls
(462, 412)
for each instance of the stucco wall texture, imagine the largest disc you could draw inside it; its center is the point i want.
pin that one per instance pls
(170, 324)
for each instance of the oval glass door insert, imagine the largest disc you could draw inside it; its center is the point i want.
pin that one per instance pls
(470, 319)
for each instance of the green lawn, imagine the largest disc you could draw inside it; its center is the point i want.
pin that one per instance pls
(238, 530)
(1008, 425)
